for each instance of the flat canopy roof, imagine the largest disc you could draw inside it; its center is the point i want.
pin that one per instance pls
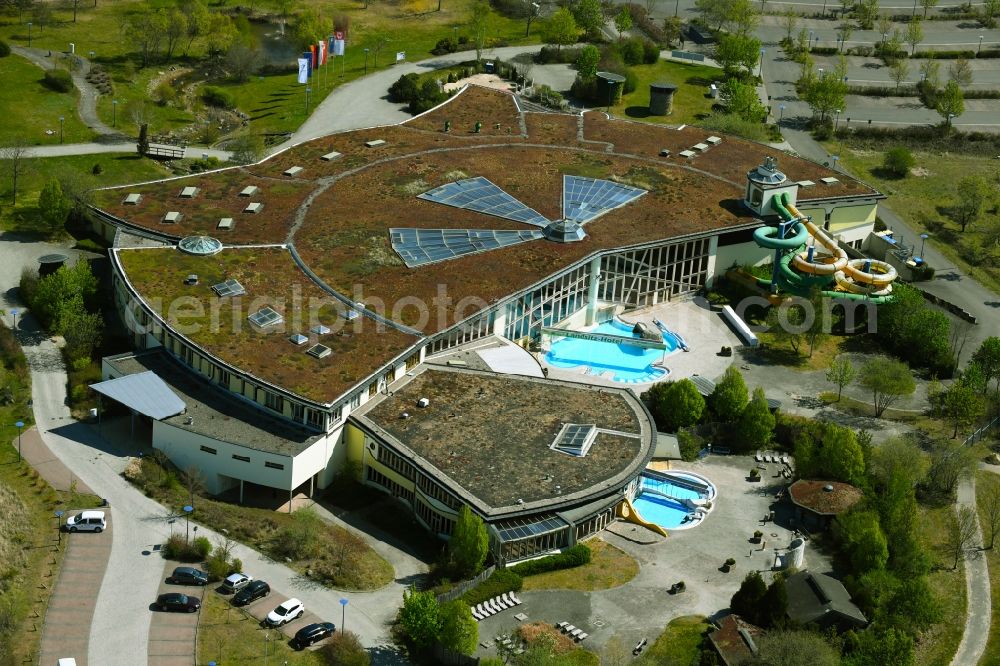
(488, 437)
(144, 392)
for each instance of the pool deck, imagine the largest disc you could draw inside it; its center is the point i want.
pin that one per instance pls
(703, 330)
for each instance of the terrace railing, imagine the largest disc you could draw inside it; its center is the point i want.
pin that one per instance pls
(979, 434)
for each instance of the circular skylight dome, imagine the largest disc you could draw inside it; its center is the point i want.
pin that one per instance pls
(564, 231)
(201, 245)
(767, 173)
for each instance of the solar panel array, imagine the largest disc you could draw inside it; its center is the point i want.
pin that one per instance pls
(230, 287)
(266, 317)
(575, 439)
(418, 247)
(482, 196)
(587, 198)
(523, 528)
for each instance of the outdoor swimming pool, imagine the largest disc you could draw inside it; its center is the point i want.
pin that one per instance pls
(625, 363)
(662, 496)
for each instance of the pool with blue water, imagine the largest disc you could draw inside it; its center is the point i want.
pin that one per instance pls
(661, 499)
(623, 362)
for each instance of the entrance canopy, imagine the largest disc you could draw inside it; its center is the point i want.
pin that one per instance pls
(144, 392)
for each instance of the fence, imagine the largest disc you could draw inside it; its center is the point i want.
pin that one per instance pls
(465, 586)
(688, 55)
(979, 434)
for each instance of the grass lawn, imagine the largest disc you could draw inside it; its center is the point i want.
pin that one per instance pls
(985, 483)
(227, 635)
(922, 200)
(609, 567)
(936, 647)
(691, 101)
(35, 108)
(116, 169)
(275, 103)
(679, 644)
(861, 408)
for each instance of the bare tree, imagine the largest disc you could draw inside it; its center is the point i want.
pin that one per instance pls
(14, 156)
(991, 511)
(960, 331)
(960, 534)
(194, 481)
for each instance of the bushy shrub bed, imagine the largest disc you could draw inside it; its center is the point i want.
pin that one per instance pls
(576, 556)
(944, 55)
(58, 80)
(500, 581)
(551, 54)
(4, 49)
(179, 548)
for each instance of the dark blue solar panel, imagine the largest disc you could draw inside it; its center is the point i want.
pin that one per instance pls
(482, 196)
(417, 247)
(587, 198)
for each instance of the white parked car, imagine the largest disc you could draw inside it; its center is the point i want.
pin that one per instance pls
(236, 582)
(87, 521)
(285, 613)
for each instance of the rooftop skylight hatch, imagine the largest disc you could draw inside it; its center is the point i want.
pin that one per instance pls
(575, 439)
(230, 287)
(265, 317)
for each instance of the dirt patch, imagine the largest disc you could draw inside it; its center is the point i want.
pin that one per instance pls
(920, 172)
(485, 80)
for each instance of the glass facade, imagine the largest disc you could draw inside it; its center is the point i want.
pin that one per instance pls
(471, 330)
(549, 304)
(655, 274)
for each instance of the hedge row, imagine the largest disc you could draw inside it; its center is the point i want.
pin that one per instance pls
(500, 581)
(576, 556)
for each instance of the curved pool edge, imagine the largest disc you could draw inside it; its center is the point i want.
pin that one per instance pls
(678, 475)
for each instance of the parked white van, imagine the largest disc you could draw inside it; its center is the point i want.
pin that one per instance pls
(87, 521)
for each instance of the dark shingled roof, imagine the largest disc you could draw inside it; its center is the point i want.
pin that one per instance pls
(810, 495)
(815, 597)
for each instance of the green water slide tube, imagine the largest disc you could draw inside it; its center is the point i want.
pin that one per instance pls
(768, 236)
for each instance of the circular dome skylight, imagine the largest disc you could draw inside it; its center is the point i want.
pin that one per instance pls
(564, 231)
(202, 245)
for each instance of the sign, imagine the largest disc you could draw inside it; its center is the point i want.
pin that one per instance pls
(604, 337)
(321, 45)
(400, 56)
(307, 56)
(303, 70)
(338, 43)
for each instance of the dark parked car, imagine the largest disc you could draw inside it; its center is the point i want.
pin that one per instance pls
(312, 633)
(177, 603)
(256, 589)
(188, 576)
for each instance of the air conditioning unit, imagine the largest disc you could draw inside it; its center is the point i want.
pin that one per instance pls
(423, 402)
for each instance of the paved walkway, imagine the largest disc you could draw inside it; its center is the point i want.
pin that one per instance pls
(66, 631)
(977, 586)
(87, 107)
(52, 469)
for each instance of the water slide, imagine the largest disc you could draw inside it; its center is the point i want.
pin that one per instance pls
(799, 267)
(675, 335)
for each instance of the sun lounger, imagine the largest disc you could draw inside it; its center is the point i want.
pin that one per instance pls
(486, 610)
(581, 637)
(784, 460)
(576, 633)
(561, 625)
(510, 601)
(499, 603)
(758, 457)
(494, 609)
(475, 613)
(569, 629)
(514, 599)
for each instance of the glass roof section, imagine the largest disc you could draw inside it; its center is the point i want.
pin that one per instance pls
(230, 287)
(525, 528)
(201, 245)
(575, 439)
(418, 247)
(587, 198)
(482, 196)
(265, 317)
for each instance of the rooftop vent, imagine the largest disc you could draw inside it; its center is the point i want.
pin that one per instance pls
(254, 208)
(292, 171)
(132, 199)
(828, 488)
(404, 415)
(713, 140)
(423, 402)
(189, 192)
(189, 420)
(298, 339)
(265, 317)
(767, 173)
(350, 315)
(320, 329)
(686, 153)
(319, 351)
(329, 157)
(191, 279)
(225, 223)
(665, 152)
(700, 147)
(829, 180)
(172, 217)
(249, 191)
(374, 143)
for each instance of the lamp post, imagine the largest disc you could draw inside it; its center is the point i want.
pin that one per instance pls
(14, 314)
(59, 515)
(914, 8)
(308, 92)
(809, 44)
(760, 67)
(29, 34)
(677, 4)
(114, 113)
(343, 612)
(91, 53)
(366, 61)
(19, 425)
(835, 158)
(836, 123)
(781, 116)
(950, 116)
(187, 522)
(980, 46)
(61, 121)
(923, 239)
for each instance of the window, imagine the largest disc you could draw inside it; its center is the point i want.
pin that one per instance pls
(373, 389)
(274, 465)
(187, 355)
(338, 414)
(225, 377)
(298, 412)
(273, 401)
(316, 418)
(413, 360)
(209, 449)
(395, 462)
(241, 458)
(355, 401)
